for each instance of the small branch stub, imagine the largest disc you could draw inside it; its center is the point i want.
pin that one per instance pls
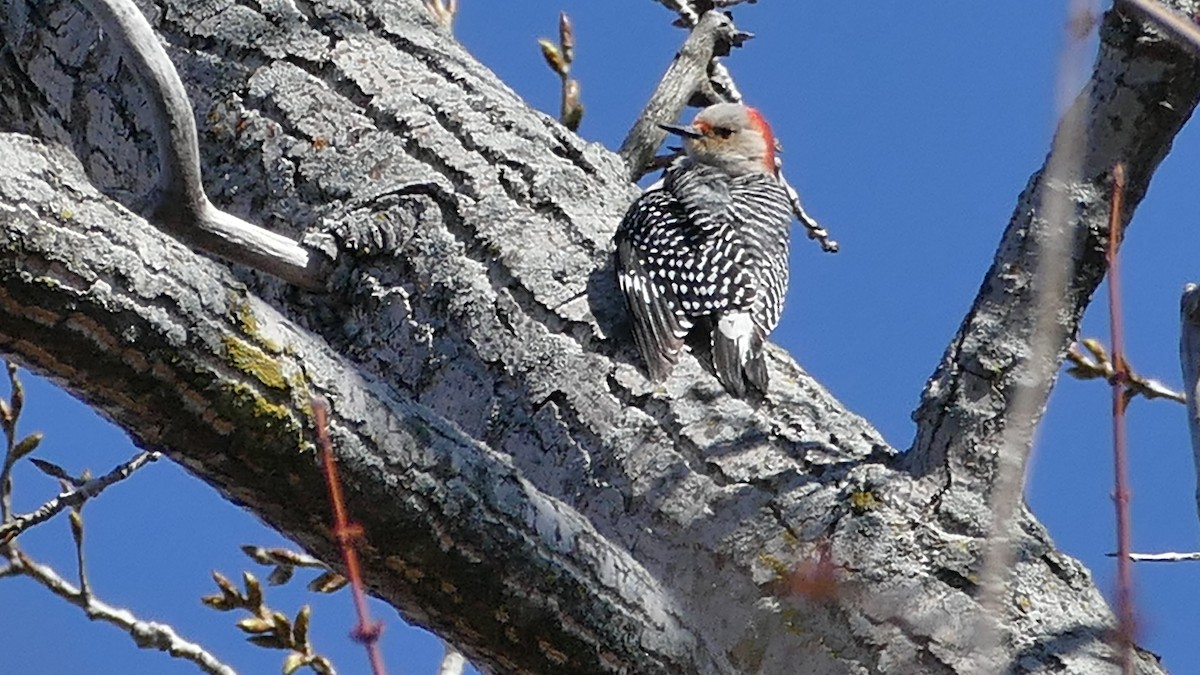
(183, 209)
(713, 35)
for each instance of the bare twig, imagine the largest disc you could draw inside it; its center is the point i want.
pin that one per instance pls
(1183, 29)
(74, 497)
(720, 85)
(10, 411)
(85, 589)
(285, 562)
(146, 634)
(282, 556)
(1125, 619)
(713, 35)
(1100, 366)
(560, 57)
(367, 631)
(1163, 557)
(811, 226)
(183, 209)
(269, 628)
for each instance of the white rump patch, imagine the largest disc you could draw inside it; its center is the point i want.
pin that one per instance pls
(738, 328)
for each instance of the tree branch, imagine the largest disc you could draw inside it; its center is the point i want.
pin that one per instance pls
(237, 381)
(181, 206)
(712, 36)
(74, 497)
(147, 634)
(1177, 25)
(525, 491)
(968, 402)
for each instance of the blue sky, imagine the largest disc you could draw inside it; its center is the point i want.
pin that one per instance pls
(909, 129)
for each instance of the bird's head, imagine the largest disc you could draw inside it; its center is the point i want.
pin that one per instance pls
(729, 136)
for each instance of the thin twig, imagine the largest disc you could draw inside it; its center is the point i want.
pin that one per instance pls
(74, 497)
(183, 209)
(1125, 621)
(11, 412)
(720, 85)
(811, 226)
(1100, 366)
(1184, 30)
(85, 589)
(1163, 557)
(559, 58)
(367, 631)
(146, 634)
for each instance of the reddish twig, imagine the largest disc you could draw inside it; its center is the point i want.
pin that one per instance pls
(1120, 400)
(366, 631)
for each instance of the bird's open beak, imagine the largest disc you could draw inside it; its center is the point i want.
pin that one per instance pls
(688, 131)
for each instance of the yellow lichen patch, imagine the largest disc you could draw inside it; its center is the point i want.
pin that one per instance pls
(790, 539)
(863, 500)
(246, 320)
(251, 411)
(252, 361)
(555, 655)
(244, 315)
(775, 564)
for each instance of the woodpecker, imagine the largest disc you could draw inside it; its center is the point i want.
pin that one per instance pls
(706, 249)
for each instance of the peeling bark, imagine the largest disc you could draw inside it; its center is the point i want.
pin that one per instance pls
(527, 493)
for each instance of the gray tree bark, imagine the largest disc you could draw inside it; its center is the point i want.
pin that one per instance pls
(526, 492)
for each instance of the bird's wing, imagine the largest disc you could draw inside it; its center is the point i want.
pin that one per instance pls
(659, 327)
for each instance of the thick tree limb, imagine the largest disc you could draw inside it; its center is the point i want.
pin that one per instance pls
(1184, 30)
(968, 402)
(243, 384)
(610, 526)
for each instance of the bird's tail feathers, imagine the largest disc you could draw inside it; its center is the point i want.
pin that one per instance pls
(737, 354)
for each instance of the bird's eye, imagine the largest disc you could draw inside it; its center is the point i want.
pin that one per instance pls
(723, 132)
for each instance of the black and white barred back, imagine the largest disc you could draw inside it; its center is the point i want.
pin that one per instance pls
(706, 248)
